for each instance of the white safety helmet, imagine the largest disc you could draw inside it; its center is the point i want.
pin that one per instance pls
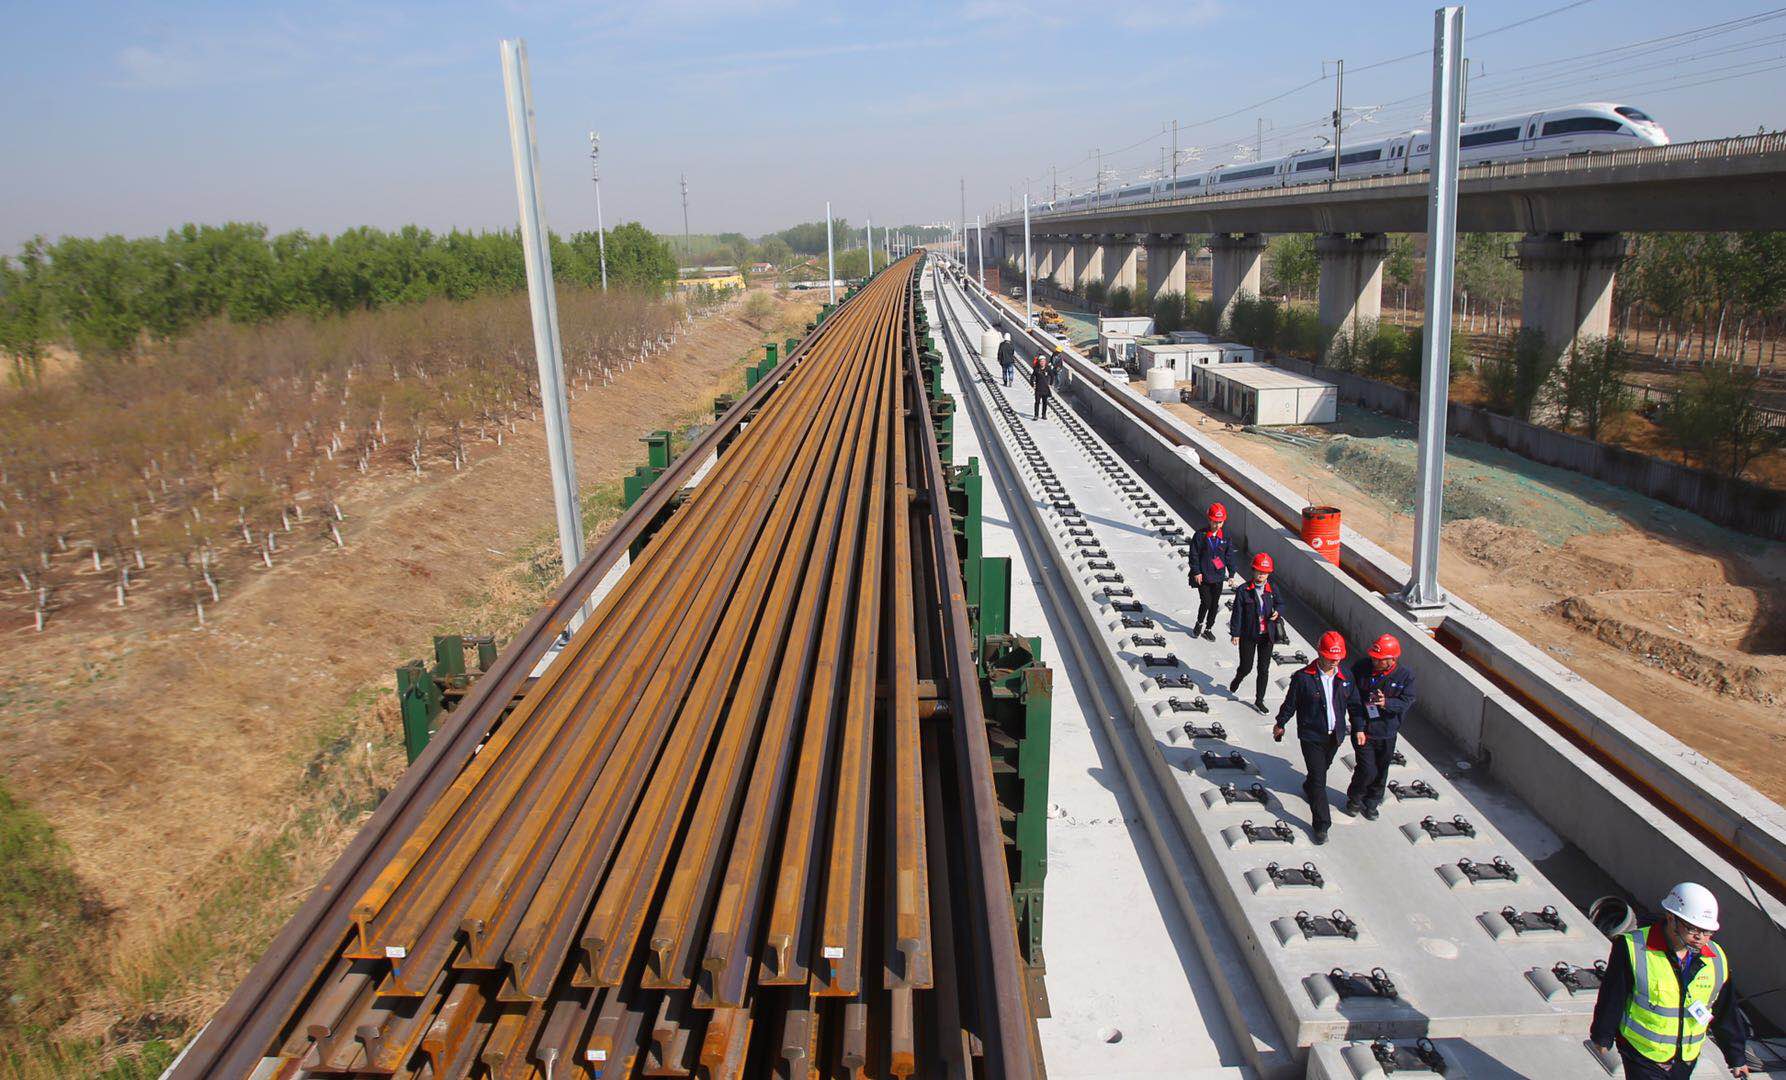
(1007, 335)
(1692, 903)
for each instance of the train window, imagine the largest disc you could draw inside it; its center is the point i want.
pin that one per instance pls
(1315, 163)
(1629, 113)
(1249, 174)
(1357, 156)
(1580, 123)
(1489, 138)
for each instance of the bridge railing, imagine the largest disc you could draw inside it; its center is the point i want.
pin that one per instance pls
(1740, 146)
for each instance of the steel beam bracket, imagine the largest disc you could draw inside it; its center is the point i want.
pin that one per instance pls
(1017, 696)
(426, 691)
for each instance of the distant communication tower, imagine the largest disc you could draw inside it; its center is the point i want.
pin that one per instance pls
(688, 246)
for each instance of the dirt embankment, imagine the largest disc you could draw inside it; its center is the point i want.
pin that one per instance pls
(203, 778)
(1681, 620)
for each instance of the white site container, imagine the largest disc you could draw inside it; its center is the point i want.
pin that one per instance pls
(1188, 337)
(1265, 395)
(1236, 354)
(1162, 384)
(1116, 348)
(1127, 325)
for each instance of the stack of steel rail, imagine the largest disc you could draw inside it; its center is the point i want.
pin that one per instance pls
(742, 825)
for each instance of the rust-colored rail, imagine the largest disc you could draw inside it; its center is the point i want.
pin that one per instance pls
(718, 836)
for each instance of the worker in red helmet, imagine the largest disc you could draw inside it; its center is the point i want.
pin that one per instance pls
(1212, 564)
(1257, 607)
(1327, 709)
(1386, 686)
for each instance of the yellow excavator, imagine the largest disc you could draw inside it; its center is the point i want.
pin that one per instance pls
(1049, 320)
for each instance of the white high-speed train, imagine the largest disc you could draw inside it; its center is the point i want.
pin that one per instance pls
(1591, 128)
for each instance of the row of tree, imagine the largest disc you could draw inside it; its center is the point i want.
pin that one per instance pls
(107, 297)
(215, 452)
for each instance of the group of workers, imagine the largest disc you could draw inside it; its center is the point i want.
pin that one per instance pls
(1666, 985)
(1043, 371)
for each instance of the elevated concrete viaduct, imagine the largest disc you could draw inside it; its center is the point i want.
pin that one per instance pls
(1573, 212)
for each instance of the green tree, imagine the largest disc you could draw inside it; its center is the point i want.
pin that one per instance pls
(1717, 420)
(1291, 261)
(1515, 384)
(25, 323)
(1590, 388)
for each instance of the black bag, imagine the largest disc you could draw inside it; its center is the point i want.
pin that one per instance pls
(1280, 634)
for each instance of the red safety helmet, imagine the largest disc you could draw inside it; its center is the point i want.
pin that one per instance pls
(1262, 562)
(1333, 645)
(1386, 648)
(1218, 513)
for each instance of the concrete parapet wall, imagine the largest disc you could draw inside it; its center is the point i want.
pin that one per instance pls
(1724, 500)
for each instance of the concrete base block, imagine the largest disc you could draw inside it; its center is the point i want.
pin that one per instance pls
(1234, 836)
(1454, 877)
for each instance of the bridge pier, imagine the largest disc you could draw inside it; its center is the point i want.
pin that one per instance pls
(1044, 256)
(1236, 260)
(1167, 257)
(1351, 287)
(1066, 263)
(1121, 261)
(1091, 262)
(1567, 290)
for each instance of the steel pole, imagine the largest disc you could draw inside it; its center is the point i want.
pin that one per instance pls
(830, 257)
(547, 348)
(1435, 341)
(1029, 318)
(601, 236)
(980, 248)
(868, 230)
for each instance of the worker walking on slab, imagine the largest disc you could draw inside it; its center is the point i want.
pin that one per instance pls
(1042, 384)
(1667, 986)
(1387, 689)
(1007, 358)
(1252, 623)
(1326, 706)
(1212, 561)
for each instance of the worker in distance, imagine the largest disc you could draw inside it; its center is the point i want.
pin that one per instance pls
(1667, 988)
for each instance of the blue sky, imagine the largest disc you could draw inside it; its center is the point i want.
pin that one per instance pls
(134, 117)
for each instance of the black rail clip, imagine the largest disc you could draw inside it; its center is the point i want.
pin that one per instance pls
(1107, 578)
(1297, 658)
(1170, 531)
(1233, 760)
(1499, 870)
(1179, 541)
(1213, 731)
(1580, 980)
(1118, 590)
(1178, 704)
(1277, 830)
(1306, 874)
(1376, 983)
(1397, 758)
(1256, 793)
(1137, 622)
(1545, 920)
(1182, 680)
(1150, 639)
(1158, 659)
(1100, 564)
(1078, 531)
(1126, 605)
(1334, 925)
(1422, 1055)
(1087, 540)
(1457, 826)
(1419, 789)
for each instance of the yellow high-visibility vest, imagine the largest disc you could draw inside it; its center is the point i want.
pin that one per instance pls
(1656, 1019)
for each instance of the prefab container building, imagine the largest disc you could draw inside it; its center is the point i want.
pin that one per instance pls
(1184, 358)
(1266, 395)
(1128, 325)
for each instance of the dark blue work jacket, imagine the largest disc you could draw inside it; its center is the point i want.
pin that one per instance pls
(1212, 556)
(1398, 697)
(1251, 605)
(1307, 702)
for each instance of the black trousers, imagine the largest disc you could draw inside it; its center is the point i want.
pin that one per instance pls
(1371, 775)
(1209, 602)
(1638, 1067)
(1316, 757)
(1042, 406)
(1254, 652)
